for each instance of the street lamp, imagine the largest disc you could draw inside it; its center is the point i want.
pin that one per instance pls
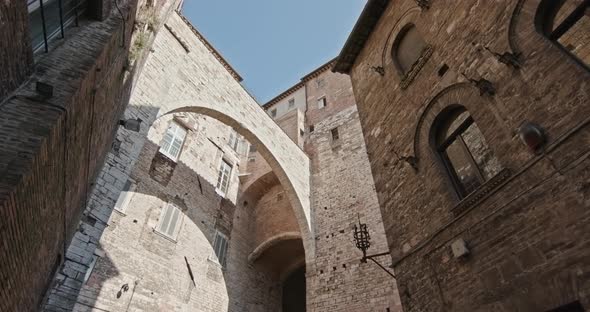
(362, 239)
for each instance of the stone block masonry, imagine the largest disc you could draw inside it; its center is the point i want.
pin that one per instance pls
(526, 230)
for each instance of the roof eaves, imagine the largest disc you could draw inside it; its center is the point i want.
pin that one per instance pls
(363, 28)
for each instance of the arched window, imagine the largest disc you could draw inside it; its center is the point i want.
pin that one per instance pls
(408, 48)
(468, 159)
(567, 23)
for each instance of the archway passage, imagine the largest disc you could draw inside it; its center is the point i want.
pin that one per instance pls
(294, 291)
(198, 81)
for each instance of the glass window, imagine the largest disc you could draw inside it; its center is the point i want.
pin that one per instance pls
(220, 248)
(322, 102)
(48, 19)
(468, 158)
(566, 23)
(173, 140)
(224, 176)
(170, 220)
(335, 134)
(408, 48)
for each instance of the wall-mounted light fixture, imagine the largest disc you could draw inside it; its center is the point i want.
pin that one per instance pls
(131, 124)
(508, 58)
(362, 239)
(379, 70)
(532, 135)
(485, 86)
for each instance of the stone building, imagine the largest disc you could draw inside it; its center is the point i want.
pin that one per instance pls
(475, 118)
(215, 206)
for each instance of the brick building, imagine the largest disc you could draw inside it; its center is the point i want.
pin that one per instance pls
(475, 118)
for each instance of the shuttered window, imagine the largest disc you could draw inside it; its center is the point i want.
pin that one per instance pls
(223, 178)
(125, 196)
(173, 140)
(170, 221)
(220, 248)
(234, 140)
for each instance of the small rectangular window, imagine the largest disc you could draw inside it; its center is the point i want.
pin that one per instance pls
(311, 128)
(322, 103)
(224, 177)
(173, 140)
(234, 140)
(335, 134)
(273, 113)
(291, 103)
(253, 148)
(170, 220)
(220, 248)
(301, 132)
(125, 196)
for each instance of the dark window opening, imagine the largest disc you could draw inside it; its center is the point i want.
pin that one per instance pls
(566, 23)
(335, 134)
(463, 149)
(301, 132)
(443, 70)
(49, 18)
(311, 128)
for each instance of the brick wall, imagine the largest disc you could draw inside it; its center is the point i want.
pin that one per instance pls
(527, 252)
(16, 56)
(37, 131)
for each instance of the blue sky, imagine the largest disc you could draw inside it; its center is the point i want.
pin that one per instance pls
(274, 43)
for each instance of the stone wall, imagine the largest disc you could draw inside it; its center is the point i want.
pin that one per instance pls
(52, 146)
(526, 230)
(343, 192)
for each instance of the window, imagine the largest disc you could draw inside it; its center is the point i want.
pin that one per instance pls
(253, 148)
(234, 140)
(173, 140)
(273, 113)
(469, 160)
(322, 103)
(311, 128)
(125, 196)
(566, 23)
(408, 48)
(220, 248)
(335, 134)
(48, 18)
(291, 103)
(223, 178)
(170, 220)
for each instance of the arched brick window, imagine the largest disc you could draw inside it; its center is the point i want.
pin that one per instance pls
(462, 147)
(567, 24)
(408, 48)
(409, 52)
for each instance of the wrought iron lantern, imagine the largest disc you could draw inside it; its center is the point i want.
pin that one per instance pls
(362, 239)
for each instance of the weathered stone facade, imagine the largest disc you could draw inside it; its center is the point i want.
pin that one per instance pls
(527, 228)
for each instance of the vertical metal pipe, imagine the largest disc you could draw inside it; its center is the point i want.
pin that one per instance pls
(61, 18)
(44, 26)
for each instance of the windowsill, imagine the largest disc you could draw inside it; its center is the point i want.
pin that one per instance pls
(165, 236)
(219, 192)
(482, 193)
(413, 72)
(172, 159)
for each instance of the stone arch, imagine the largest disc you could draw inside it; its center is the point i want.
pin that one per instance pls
(531, 45)
(273, 241)
(287, 161)
(463, 94)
